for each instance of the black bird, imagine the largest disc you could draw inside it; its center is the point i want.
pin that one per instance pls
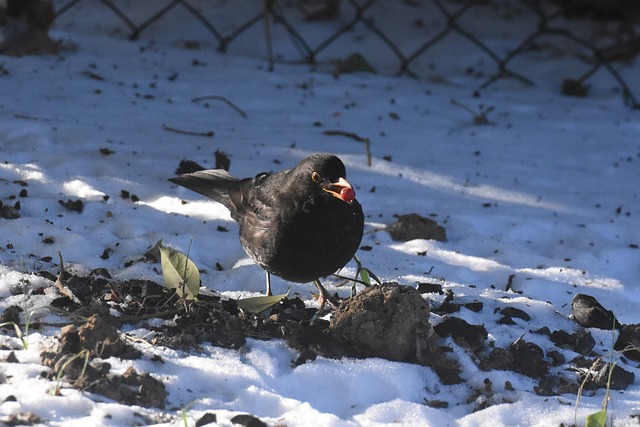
(299, 224)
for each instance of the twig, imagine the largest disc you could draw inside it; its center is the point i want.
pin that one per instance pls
(349, 279)
(208, 134)
(27, 117)
(354, 136)
(223, 99)
(510, 283)
(267, 6)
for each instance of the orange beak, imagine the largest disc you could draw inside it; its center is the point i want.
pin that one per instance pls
(340, 189)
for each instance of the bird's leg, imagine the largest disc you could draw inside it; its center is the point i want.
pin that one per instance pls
(324, 296)
(268, 284)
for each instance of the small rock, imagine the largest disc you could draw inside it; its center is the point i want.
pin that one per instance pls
(9, 212)
(438, 404)
(354, 63)
(475, 306)
(72, 205)
(515, 312)
(10, 358)
(573, 87)
(506, 320)
(208, 418)
(11, 314)
(447, 308)
(598, 377)
(581, 342)
(588, 312)
(629, 342)
(430, 288)
(248, 421)
(543, 331)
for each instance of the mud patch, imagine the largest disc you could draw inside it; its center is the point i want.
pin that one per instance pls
(75, 357)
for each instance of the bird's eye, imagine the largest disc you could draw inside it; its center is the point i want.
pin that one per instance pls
(315, 176)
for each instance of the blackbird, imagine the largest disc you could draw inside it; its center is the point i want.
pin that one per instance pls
(299, 224)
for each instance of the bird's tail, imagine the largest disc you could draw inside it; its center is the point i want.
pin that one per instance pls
(216, 184)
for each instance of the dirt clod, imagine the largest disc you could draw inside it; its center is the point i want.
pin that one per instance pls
(413, 226)
(9, 212)
(463, 333)
(72, 205)
(629, 342)
(581, 342)
(23, 419)
(383, 321)
(76, 357)
(597, 376)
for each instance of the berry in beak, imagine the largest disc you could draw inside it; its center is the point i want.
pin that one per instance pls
(340, 189)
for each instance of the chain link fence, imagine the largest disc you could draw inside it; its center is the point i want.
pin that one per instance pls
(493, 39)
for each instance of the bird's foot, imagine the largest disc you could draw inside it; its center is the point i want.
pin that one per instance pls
(325, 297)
(268, 292)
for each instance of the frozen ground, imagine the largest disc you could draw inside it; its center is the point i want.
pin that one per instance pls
(548, 192)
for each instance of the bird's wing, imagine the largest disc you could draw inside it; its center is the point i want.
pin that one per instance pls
(258, 200)
(216, 184)
(253, 201)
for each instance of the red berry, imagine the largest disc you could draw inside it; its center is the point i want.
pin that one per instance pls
(347, 194)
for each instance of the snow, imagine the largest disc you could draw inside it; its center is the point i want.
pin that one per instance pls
(548, 192)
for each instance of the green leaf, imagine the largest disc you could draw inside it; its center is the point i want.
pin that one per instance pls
(259, 304)
(179, 272)
(365, 274)
(371, 275)
(597, 419)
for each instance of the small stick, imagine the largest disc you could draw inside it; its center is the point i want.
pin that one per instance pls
(208, 134)
(223, 99)
(267, 31)
(27, 117)
(510, 283)
(355, 136)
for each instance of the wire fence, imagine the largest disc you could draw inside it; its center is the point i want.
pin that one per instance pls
(601, 34)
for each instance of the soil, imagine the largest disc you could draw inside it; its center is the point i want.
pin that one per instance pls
(389, 321)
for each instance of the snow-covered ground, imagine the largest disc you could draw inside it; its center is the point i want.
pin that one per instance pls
(548, 191)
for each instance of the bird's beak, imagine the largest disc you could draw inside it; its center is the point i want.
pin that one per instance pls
(340, 189)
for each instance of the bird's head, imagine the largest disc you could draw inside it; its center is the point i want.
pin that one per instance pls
(329, 174)
(340, 188)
